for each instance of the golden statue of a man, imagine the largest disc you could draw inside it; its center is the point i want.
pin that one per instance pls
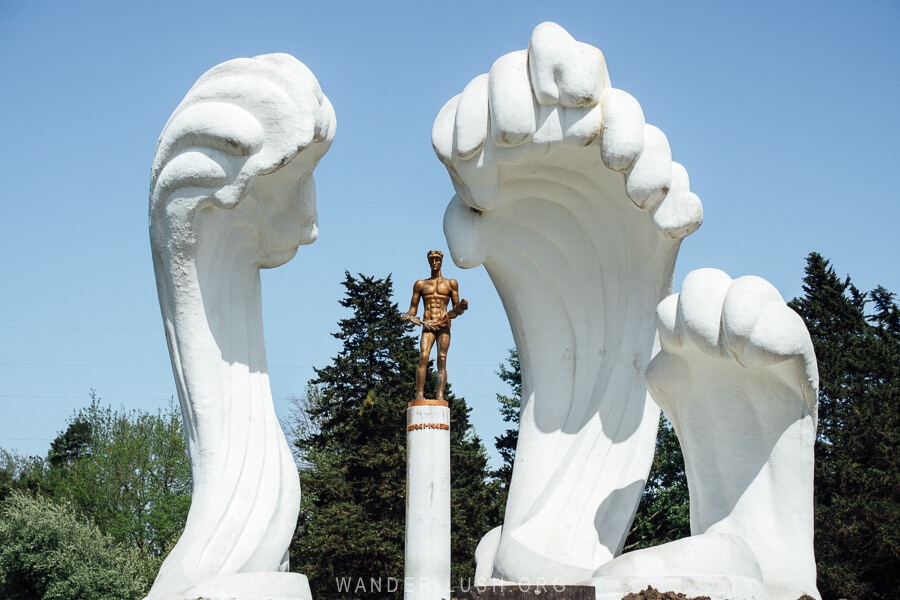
(436, 293)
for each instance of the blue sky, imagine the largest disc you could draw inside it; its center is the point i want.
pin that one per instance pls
(785, 115)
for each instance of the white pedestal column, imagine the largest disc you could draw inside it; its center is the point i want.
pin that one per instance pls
(427, 560)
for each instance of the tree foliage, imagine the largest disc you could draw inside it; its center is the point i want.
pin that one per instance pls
(857, 481)
(25, 474)
(73, 444)
(663, 514)
(510, 407)
(350, 441)
(49, 552)
(128, 470)
(114, 483)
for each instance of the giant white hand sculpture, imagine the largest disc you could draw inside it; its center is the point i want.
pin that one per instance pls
(737, 377)
(576, 210)
(232, 192)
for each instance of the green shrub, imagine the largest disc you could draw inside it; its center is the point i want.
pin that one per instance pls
(48, 552)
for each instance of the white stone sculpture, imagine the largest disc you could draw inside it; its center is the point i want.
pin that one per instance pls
(232, 192)
(575, 208)
(737, 378)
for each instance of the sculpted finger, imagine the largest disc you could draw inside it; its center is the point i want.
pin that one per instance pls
(250, 116)
(700, 308)
(747, 298)
(581, 126)
(472, 117)
(622, 138)
(511, 103)
(778, 334)
(563, 70)
(648, 182)
(761, 330)
(680, 213)
(481, 175)
(443, 130)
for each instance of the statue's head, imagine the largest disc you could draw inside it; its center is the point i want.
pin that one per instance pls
(435, 258)
(249, 127)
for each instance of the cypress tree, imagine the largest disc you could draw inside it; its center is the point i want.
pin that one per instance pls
(857, 480)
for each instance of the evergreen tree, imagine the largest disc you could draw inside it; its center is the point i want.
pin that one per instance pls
(510, 406)
(72, 445)
(663, 514)
(351, 445)
(857, 480)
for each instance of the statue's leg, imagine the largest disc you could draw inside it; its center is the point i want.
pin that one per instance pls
(425, 345)
(575, 208)
(443, 346)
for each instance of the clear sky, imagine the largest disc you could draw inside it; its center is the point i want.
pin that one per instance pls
(785, 115)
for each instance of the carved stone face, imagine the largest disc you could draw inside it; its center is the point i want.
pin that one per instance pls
(288, 219)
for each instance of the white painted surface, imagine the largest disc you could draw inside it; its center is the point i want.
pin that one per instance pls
(251, 586)
(720, 566)
(427, 553)
(737, 377)
(232, 192)
(575, 208)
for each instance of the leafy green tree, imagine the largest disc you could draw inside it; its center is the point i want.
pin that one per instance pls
(126, 470)
(26, 474)
(351, 447)
(857, 480)
(49, 552)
